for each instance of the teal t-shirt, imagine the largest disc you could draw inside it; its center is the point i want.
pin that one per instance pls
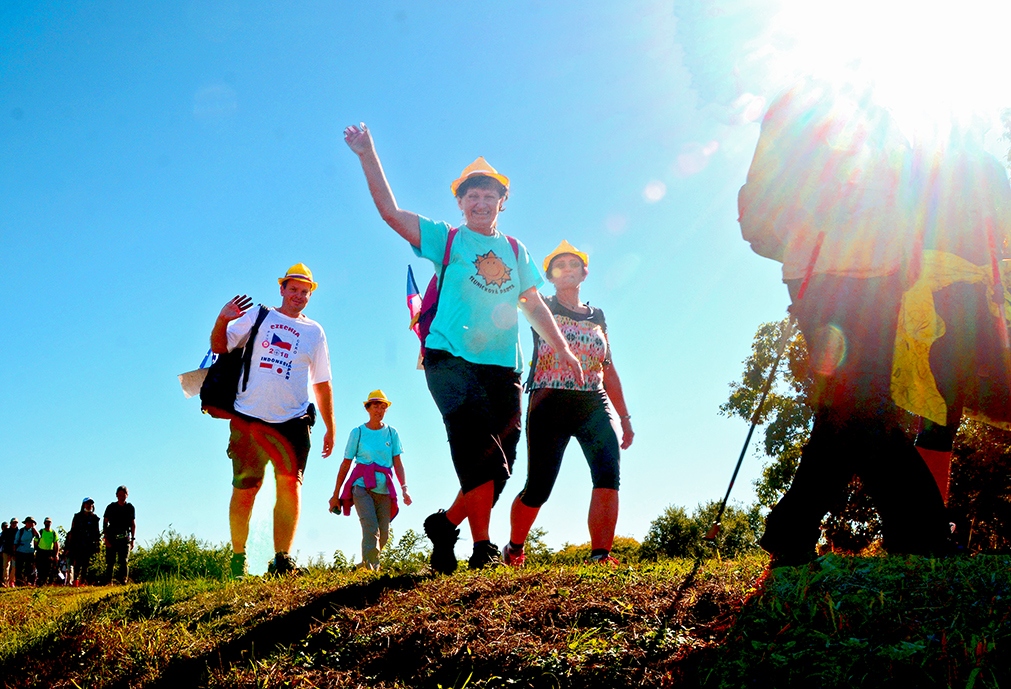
(367, 446)
(477, 317)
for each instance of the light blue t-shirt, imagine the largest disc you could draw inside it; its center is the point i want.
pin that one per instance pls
(477, 316)
(367, 446)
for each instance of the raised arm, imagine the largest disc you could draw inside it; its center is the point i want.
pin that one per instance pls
(404, 223)
(229, 312)
(539, 315)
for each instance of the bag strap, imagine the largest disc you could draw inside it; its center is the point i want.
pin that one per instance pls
(445, 260)
(247, 354)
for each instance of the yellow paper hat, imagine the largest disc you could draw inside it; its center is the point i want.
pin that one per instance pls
(479, 167)
(566, 248)
(300, 272)
(377, 396)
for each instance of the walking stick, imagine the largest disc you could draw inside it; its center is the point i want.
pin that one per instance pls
(784, 339)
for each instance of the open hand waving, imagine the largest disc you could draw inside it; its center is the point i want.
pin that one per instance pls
(235, 308)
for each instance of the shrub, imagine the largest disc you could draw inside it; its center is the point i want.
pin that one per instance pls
(407, 556)
(676, 534)
(173, 555)
(624, 548)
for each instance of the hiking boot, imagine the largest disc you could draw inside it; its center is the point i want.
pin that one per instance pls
(790, 559)
(605, 559)
(237, 567)
(485, 553)
(443, 534)
(282, 564)
(513, 558)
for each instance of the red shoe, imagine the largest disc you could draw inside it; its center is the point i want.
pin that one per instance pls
(513, 559)
(603, 559)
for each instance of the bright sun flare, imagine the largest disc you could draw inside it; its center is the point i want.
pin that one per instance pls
(931, 62)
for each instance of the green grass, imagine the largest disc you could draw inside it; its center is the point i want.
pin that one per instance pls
(843, 622)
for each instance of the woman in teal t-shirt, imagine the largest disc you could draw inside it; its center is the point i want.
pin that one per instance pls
(472, 360)
(375, 448)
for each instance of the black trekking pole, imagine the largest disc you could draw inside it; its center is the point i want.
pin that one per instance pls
(784, 340)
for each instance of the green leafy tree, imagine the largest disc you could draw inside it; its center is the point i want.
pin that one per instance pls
(675, 533)
(980, 500)
(851, 525)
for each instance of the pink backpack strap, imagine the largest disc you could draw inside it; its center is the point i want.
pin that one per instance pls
(449, 243)
(515, 245)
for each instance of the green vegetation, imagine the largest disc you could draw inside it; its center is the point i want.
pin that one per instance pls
(183, 557)
(842, 622)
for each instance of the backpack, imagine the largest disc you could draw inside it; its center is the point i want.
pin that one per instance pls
(430, 302)
(220, 387)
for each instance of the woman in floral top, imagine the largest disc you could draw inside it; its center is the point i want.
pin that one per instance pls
(561, 407)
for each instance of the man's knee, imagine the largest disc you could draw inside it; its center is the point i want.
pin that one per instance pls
(247, 482)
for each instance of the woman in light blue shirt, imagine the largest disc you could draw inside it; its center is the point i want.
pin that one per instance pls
(375, 449)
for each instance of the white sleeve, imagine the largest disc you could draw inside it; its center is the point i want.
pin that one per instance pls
(319, 366)
(238, 330)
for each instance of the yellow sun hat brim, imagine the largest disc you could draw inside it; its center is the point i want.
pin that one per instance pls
(566, 248)
(377, 396)
(479, 168)
(300, 272)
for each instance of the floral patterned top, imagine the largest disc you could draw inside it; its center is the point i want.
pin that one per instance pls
(587, 338)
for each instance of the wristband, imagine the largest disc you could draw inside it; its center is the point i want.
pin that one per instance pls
(625, 416)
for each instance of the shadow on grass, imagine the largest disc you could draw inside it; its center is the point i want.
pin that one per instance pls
(281, 631)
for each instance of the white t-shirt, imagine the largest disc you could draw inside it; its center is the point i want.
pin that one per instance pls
(289, 355)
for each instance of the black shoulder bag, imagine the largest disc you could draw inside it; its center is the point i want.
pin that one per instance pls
(220, 387)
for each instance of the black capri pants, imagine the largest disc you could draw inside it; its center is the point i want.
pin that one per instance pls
(553, 417)
(480, 406)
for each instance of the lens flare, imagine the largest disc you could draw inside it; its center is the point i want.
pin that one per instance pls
(830, 352)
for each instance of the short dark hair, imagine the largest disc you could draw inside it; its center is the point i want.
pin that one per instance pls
(481, 182)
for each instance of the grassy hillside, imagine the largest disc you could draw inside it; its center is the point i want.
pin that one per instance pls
(840, 623)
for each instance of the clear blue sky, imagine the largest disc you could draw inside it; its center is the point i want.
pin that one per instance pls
(158, 158)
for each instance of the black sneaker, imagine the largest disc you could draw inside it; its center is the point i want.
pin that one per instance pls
(485, 554)
(282, 564)
(237, 567)
(443, 535)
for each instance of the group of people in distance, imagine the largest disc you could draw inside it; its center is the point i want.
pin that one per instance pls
(37, 557)
(472, 362)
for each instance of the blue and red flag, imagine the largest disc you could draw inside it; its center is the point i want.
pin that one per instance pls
(413, 302)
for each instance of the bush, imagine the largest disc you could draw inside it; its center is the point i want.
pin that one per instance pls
(407, 556)
(624, 548)
(173, 555)
(676, 534)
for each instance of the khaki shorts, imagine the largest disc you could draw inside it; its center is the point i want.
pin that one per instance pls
(253, 443)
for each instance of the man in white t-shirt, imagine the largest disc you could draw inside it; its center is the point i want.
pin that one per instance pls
(273, 414)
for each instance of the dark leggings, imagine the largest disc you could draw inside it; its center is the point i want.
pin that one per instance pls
(480, 406)
(555, 416)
